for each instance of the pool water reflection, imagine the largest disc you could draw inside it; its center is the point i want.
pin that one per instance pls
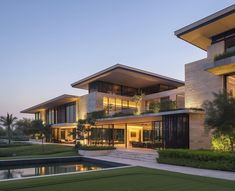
(39, 170)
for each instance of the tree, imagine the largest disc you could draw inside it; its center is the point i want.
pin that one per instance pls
(8, 122)
(2, 132)
(24, 126)
(137, 99)
(47, 133)
(220, 115)
(82, 129)
(39, 127)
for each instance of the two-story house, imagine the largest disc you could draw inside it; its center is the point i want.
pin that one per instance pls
(144, 109)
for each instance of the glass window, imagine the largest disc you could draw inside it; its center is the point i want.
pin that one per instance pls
(118, 104)
(71, 113)
(118, 136)
(50, 116)
(158, 131)
(112, 104)
(124, 104)
(105, 101)
(230, 44)
(37, 116)
(230, 84)
(117, 89)
(132, 104)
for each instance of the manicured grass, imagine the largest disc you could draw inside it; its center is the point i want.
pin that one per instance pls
(30, 151)
(131, 179)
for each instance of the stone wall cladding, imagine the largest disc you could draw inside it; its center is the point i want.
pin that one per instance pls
(199, 138)
(199, 84)
(215, 49)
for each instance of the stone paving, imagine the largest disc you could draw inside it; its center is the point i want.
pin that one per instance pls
(133, 158)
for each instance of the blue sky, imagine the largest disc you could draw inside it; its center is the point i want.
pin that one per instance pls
(45, 45)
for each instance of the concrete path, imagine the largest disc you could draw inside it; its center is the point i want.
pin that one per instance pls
(154, 165)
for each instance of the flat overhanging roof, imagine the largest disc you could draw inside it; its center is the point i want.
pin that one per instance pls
(127, 76)
(60, 100)
(200, 33)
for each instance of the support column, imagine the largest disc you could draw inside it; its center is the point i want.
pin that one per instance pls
(113, 135)
(126, 136)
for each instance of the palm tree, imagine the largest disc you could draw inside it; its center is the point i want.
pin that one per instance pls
(8, 122)
(220, 114)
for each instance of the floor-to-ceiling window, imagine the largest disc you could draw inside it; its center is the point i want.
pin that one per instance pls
(107, 135)
(112, 105)
(230, 84)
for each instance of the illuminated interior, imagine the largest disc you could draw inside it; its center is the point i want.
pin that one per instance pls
(230, 84)
(127, 135)
(114, 105)
(63, 135)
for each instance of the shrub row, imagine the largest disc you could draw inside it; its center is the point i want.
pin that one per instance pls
(95, 148)
(198, 159)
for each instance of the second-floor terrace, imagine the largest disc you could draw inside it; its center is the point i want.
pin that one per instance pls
(216, 35)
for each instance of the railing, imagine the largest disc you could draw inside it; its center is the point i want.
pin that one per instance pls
(224, 55)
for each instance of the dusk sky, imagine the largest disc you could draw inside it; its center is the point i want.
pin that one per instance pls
(45, 45)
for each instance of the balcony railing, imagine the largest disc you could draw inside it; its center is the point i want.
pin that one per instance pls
(224, 55)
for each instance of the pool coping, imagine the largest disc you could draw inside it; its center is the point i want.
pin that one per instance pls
(55, 159)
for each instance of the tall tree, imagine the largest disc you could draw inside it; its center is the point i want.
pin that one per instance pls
(220, 115)
(24, 125)
(8, 122)
(39, 127)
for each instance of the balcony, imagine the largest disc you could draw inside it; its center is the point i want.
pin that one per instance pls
(223, 64)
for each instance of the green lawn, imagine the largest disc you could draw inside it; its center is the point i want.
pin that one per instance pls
(127, 179)
(31, 151)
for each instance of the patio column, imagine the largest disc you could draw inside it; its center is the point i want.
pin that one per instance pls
(126, 136)
(113, 135)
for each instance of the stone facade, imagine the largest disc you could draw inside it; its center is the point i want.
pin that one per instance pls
(215, 49)
(199, 138)
(200, 84)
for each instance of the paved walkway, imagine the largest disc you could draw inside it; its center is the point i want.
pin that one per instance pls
(154, 165)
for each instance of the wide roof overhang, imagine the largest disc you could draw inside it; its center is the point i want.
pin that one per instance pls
(200, 33)
(60, 100)
(127, 76)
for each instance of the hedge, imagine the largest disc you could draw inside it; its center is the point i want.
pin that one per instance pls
(95, 148)
(198, 158)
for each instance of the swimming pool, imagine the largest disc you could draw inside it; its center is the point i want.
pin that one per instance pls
(15, 169)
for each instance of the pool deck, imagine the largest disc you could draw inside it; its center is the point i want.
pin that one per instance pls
(173, 168)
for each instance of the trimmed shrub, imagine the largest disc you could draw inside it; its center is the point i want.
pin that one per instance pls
(221, 143)
(198, 159)
(96, 148)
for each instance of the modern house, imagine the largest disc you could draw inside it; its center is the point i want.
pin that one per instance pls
(137, 108)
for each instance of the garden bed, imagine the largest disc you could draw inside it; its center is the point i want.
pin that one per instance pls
(199, 159)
